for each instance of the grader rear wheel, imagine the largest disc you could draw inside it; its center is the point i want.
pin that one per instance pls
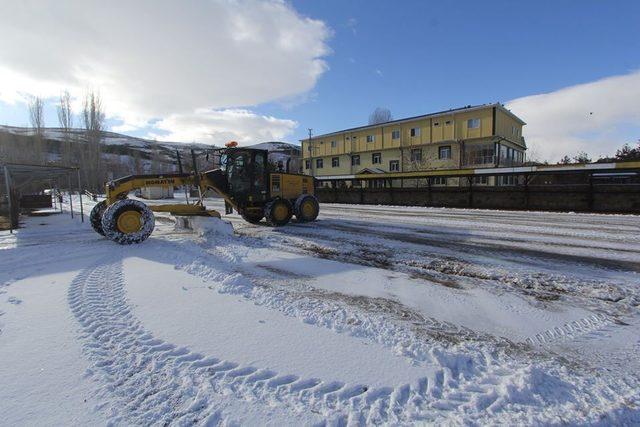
(306, 208)
(128, 221)
(278, 212)
(95, 217)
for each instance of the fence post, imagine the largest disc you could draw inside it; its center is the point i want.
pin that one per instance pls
(590, 198)
(8, 187)
(527, 178)
(70, 197)
(80, 196)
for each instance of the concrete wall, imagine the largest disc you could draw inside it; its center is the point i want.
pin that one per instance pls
(578, 198)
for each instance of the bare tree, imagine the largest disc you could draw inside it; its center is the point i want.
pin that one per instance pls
(380, 115)
(36, 107)
(36, 115)
(93, 120)
(65, 119)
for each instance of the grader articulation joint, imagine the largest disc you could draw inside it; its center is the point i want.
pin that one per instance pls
(244, 181)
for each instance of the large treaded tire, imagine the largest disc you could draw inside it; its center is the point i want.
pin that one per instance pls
(270, 210)
(305, 199)
(110, 222)
(95, 217)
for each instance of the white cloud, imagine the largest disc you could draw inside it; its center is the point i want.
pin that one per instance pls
(596, 117)
(157, 60)
(221, 126)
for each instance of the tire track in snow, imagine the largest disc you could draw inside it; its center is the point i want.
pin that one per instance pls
(146, 380)
(571, 330)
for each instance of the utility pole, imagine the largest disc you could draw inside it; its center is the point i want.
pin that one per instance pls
(310, 152)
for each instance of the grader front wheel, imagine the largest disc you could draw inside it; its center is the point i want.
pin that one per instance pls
(128, 221)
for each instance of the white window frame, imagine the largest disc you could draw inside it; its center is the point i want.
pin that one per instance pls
(307, 164)
(473, 124)
(355, 160)
(414, 132)
(319, 164)
(395, 134)
(337, 163)
(371, 138)
(440, 152)
(397, 165)
(375, 156)
(416, 150)
(333, 144)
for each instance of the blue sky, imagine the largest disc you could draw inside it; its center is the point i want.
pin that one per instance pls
(439, 55)
(413, 57)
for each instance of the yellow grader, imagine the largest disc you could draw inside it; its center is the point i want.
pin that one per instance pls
(245, 181)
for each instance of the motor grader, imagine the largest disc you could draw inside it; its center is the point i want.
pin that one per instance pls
(244, 179)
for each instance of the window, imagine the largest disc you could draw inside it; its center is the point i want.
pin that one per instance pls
(439, 180)
(376, 158)
(394, 166)
(444, 152)
(395, 134)
(416, 155)
(448, 123)
(473, 123)
(415, 131)
(436, 124)
(307, 164)
(483, 179)
(355, 160)
(335, 162)
(371, 138)
(513, 130)
(319, 163)
(333, 144)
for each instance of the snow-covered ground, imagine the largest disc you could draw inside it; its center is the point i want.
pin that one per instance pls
(370, 315)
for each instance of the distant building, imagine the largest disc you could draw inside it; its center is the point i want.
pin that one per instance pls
(469, 137)
(155, 193)
(282, 155)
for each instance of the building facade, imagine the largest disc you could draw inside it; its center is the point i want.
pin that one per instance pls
(469, 137)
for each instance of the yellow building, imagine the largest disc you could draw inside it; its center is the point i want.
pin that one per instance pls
(469, 137)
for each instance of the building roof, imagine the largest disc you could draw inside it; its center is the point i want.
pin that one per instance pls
(424, 116)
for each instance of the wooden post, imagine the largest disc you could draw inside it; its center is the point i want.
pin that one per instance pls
(470, 178)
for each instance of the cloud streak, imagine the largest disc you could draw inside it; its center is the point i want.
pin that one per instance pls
(596, 117)
(157, 60)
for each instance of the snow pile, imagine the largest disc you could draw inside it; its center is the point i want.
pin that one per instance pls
(204, 226)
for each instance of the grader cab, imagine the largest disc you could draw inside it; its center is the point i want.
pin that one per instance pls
(245, 181)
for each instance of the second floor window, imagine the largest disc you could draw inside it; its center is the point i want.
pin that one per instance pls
(319, 163)
(333, 144)
(416, 155)
(444, 152)
(335, 162)
(473, 123)
(371, 138)
(376, 158)
(307, 164)
(415, 131)
(394, 166)
(395, 134)
(355, 160)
